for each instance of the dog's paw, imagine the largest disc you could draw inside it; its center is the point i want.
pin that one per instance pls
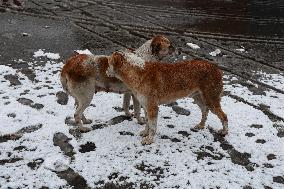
(147, 140)
(84, 129)
(199, 126)
(144, 133)
(87, 121)
(223, 132)
(128, 114)
(141, 120)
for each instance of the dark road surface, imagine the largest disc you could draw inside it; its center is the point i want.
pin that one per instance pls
(105, 26)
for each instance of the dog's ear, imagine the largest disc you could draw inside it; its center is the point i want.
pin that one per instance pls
(156, 47)
(118, 59)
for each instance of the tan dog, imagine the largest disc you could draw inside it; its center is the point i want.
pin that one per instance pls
(155, 83)
(83, 75)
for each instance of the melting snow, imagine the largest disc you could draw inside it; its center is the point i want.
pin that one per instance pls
(86, 51)
(193, 46)
(172, 156)
(57, 162)
(215, 53)
(40, 53)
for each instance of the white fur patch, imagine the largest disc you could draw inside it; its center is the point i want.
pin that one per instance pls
(134, 59)
(145, 51)
(94, 58)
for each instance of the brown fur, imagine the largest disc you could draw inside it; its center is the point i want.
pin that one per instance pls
(158, 83)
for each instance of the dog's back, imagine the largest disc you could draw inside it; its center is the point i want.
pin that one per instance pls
(172, 81)
(80, 68)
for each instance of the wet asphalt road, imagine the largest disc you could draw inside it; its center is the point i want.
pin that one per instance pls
(105, 26)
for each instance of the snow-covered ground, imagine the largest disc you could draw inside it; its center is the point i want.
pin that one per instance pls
(251, 155)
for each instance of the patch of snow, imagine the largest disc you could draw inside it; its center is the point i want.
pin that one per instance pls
(276, 80)
(86, 51)
(57, 163)
(41, 53)
(215, 53)
(25, 34)
(193, 46)
(123, 154)
(240, 50)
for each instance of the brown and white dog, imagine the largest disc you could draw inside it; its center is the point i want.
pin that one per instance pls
(154, 83)
(83, 75)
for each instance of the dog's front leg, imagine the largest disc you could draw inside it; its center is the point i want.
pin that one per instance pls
(126, 103)
(137, 110)
(152, 114)
(145, 132)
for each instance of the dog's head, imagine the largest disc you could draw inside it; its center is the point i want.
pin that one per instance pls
(161, 47)
(115, 61)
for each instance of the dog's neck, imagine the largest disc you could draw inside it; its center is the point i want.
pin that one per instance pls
(145, 51)
(130, 73)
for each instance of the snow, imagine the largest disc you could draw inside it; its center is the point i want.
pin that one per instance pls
(41, 53)
(215, 53)
(193, 46)
(57, 162)
(242, 49)
(25, 34)
(116, 153)
(86, 51)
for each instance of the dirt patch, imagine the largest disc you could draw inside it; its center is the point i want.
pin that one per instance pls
(256, 126)
(12, 115)
(62, 98)
(61, 140)
(279, 179)
(237, 157)
(29, 129)
(30, 103)
(13, 160)
(73, 179)
(260, 141)
(29, 73)
(271, 156)
(171, 126)
(249, 134)
(14, 79)
(280, 129)
(35, 163)
(150, 170)
(88, 147)
(118, 109)
(119, 119)
(181, 111)
(184, 133)
(126, 133)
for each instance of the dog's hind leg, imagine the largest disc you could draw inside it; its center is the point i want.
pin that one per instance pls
(213, 102)
(79, 116)
(223, 117)
(198, 99)
(126, 103)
